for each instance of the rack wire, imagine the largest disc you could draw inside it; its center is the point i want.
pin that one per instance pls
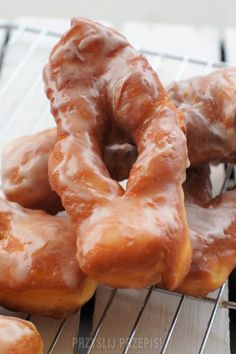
(14, 35)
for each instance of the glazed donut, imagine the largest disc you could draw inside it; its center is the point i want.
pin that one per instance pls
(209, 106)
(25, 172)
(25, 169)
(212, 227)
(39, 271)
(18, 336)
(98, 83)
(213, 237)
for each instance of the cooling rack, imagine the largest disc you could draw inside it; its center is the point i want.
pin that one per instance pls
(23, 54)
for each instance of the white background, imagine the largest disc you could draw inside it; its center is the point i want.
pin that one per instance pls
(194, 12)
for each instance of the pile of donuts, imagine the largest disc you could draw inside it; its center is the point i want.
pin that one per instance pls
(115, 121)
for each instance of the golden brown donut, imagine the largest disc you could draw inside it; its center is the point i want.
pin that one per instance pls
(213, 237)
(18, 336)
(212, 233)
(209, 105)
(25, 169)
(25, 172)
(39, 271)
(98, 83)
(212, 226)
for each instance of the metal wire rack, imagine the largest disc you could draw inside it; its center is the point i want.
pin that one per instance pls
(15, 99)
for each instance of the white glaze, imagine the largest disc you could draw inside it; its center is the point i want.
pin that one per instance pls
(35, 235)
(12, 331)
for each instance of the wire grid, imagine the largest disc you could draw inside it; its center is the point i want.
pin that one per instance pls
(14, 35)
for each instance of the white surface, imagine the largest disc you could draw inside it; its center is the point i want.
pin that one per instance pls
(59, 25)
(230, 45)
(32, 107)
(199, 43)
(211, 12)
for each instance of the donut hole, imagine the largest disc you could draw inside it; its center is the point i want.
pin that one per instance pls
(119, 159)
